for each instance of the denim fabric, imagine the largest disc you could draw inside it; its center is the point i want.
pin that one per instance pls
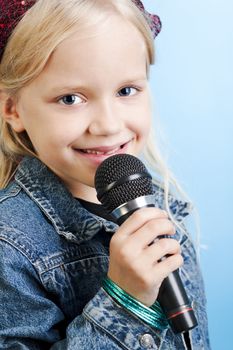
(53, 257)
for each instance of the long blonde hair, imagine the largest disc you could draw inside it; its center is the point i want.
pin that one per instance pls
(31, 44)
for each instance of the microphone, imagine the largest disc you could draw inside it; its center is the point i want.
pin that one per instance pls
(124, 185)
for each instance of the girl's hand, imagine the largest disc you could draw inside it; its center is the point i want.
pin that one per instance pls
(135, 263)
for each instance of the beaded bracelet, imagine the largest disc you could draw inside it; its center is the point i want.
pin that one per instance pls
(152, 315)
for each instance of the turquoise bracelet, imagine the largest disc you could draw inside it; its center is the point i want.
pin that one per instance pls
(153, 315)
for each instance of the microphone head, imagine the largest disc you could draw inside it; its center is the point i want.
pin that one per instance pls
(120, 179)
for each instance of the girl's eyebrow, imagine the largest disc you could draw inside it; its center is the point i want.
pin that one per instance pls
(70, 88)
(74, 88)
(134, 80)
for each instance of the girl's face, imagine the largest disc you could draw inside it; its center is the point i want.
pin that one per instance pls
(91, 101)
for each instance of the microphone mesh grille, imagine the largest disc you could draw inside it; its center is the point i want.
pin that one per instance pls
(114, 168)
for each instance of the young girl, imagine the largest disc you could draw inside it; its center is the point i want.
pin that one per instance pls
(74, 90)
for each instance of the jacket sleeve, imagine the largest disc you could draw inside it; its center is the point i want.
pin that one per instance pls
(108, 326)
(30, 320)
(121, 329)
(191, 276)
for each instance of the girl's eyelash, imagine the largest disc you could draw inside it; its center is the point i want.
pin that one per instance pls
(137, 88)
(131, 87)
(70, 99)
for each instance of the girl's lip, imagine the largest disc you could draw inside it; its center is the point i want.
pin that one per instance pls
(99, 154)
(103, 149)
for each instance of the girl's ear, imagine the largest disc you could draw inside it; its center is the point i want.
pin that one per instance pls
(9, 112)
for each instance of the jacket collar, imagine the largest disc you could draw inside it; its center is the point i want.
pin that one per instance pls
(69, 218)
(66, 214)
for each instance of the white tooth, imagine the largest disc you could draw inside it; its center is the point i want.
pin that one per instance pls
(92, 152)
(99, 153)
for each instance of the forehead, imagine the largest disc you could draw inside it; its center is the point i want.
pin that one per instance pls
(115, 40)
(110, 55)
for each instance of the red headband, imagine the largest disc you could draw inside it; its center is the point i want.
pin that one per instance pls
(11, 12)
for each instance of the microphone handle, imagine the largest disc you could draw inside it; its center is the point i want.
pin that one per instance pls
(172, 295)
(175, 304)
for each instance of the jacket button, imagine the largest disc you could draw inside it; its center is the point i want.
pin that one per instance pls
(147, 341)
(194, 305)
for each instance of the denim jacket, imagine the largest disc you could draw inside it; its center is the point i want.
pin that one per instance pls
(53, 257)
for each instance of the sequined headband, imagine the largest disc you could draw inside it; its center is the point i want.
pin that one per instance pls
(11, 12)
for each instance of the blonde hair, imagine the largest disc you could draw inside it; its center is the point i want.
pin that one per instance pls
(39, 32)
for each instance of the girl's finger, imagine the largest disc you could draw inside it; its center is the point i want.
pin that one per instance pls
(138, 219)
(161, 248)
(151, 230)
(164, 267)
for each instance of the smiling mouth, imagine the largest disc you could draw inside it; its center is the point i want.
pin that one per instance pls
(89, 151)
(103, 151)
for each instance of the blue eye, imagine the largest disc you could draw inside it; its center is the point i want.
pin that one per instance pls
(127, 91)
(70, 100)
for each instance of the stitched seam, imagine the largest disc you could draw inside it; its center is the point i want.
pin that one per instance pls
(55, 224)
(11, 194)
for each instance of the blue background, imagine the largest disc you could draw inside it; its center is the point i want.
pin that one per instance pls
(192, 86)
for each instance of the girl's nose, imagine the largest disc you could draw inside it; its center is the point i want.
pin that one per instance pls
(106, 119)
